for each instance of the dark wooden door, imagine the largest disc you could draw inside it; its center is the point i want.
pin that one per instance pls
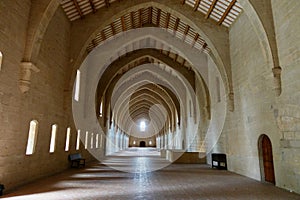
(142, 144)
(268, 160)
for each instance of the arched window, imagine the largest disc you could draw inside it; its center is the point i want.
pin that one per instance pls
(53, 137)
(86, 139)
(1, 56)
(68, 136)
(101, 109)
(77, 86)
(142, 126)
(32, 135)
(97, 140)
(92, 140)
(78, 140)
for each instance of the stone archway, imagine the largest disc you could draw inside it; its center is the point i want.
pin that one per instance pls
(142, 144)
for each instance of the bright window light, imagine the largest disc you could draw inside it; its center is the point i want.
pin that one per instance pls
(53, 137)
(97, 141)
(142, 126)
(68, 139)
(77, 86)
(134, 142)
(150, 142)
(78, 140)
(32, 135)
(101, 109)
(86, 139)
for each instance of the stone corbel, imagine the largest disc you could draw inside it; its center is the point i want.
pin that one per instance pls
(25, 75)
(230, 102)
(277, 80)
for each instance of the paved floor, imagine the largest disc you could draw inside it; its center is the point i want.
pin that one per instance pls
(179, 181)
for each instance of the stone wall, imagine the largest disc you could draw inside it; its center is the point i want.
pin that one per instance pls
(44, 102)
(257, 109)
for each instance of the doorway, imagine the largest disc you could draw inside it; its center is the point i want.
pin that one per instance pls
(266, 159)
(142, 144)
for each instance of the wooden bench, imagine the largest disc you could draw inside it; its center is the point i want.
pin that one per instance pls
(76, 160)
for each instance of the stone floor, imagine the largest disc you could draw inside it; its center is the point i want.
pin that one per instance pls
(176, 181)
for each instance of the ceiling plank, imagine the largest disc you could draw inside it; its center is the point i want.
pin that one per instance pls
(226, 12)
(212, 6)
(78, 8)
(197, 3)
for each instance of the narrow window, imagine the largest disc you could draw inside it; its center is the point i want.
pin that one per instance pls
(150, 142)
(218, 89)
(32, 135)
(101, 141)
(78, 140)
(92, 140)
(86, 139)
(190, 104)
(134, 142)
(101, 109)
(68, 135)
(1, 56)
(97, 141)
(77, 86)
(142, 126)
(53, 137)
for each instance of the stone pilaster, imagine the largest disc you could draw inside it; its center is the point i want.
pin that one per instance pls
(277, 80)
(25, 75)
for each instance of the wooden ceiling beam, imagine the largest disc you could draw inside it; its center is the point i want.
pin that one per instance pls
(168, 20)
(176, 24)
(103, 35)
(176, 56)
(107, 3)
(132, 20)
(78, 8)
(195, 39)
(182, 2)
(92, 6)
(94, 43)
(187, 28)
(150, 15)
(158, 17)
(226, 12)
(196, 6)
(140, 18)
(113, 28)
(212, 6)
(123, 23)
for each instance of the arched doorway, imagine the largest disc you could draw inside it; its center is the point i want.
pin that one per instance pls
(266, 159)
(142, 144)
